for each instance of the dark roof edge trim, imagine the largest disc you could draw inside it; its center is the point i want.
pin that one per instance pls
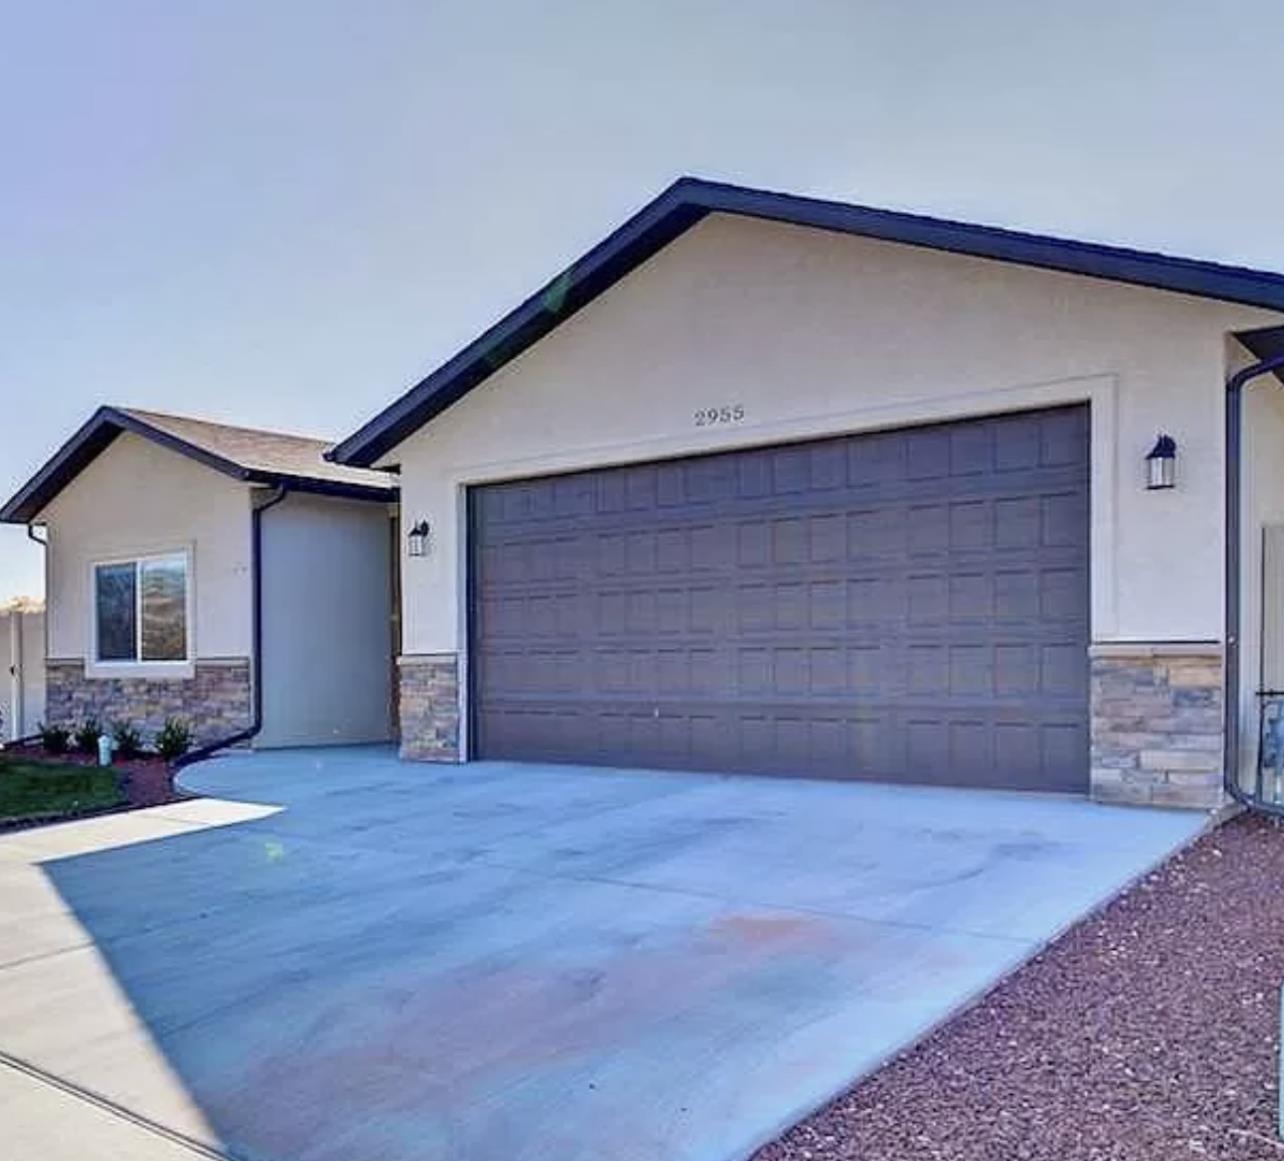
(314, 486)
(97, 433)
(25, 504)
(690, 199)
(644, 234)
(85, 445)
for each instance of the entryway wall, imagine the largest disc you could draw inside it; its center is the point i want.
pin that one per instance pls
(327, 609)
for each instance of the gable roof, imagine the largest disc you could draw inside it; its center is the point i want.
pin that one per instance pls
(246, 454)
(691, 199)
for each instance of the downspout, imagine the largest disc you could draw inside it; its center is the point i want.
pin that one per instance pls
(1230, 697)
(279, 493)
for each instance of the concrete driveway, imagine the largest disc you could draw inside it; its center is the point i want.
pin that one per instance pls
(499, 962)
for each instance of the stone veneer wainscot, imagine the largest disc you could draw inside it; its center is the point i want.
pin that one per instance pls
(215, 700)
(1157, 724)
(1156, 720)
(428, 699)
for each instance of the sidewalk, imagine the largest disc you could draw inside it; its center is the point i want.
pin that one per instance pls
(57, 994)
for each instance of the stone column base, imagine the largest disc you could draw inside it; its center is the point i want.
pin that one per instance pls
(1157, 724)
(215, 701)
(428, 700)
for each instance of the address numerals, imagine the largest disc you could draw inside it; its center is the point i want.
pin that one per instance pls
(716, 416)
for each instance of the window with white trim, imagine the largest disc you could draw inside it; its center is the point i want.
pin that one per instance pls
(140, 609)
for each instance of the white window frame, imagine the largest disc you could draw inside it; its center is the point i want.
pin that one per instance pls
(94, 667)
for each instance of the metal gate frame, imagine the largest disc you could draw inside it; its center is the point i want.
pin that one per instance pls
(1254, 799)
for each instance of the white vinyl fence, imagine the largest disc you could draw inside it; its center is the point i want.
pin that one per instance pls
(22, 672)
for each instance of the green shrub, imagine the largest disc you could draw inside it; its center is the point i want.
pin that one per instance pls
(129, 742)
(87, 734)
(54, 739)
(173, 739)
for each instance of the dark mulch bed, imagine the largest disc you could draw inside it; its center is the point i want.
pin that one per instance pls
(1147, 1032)
(146, 781)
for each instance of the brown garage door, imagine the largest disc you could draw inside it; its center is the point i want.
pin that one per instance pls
(907, 606)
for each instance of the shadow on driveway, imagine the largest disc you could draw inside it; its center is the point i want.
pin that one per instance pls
(499, 962)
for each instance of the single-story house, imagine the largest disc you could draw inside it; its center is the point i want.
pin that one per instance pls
(233, 578)
(22, 654)
(760, 484)
(770, 484)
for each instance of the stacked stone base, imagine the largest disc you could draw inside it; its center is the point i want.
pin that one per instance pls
(428, 701)
(1156, 720)
(215, 701)
(1157, 724)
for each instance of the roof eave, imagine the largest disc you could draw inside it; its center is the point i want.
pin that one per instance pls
(101, 429)
(689, 200)
(29, 501)
(647, 232)
(317, 486)
(1264, 342)
(90, 440)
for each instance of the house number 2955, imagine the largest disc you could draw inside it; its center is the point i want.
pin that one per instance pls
(711, 416)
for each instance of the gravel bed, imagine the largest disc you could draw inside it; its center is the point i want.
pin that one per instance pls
(1149, 1031)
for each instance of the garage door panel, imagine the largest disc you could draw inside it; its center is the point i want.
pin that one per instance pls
(882, 670)
(969, 748)
(906, 605)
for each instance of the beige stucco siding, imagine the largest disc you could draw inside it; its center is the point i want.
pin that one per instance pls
(327, 625)
(139, 498)
(814, 333)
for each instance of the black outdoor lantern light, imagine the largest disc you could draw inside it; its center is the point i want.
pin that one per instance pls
(417, 538)
(1161, 464)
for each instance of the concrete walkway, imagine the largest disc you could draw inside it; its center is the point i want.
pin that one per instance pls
(509, 963)
(58, 994)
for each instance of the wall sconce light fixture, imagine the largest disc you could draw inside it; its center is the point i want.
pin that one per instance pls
(1161, 463)
(417, 538)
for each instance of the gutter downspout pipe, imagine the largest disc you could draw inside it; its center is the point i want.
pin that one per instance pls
(279, 493)
(1231, 650)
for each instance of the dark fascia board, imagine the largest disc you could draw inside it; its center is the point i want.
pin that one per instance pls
(690, 199)
(609, 261)
(97, 434)
(86, 444)
(89, 442)
(319, 487)
(1264, 343)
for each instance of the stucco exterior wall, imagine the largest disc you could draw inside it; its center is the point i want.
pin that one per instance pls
(327, 624)
(138, 498)
(812, 334)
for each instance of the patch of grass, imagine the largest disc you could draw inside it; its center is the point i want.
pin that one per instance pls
(34, 789)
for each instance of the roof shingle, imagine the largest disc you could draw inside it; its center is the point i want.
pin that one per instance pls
(257, 450)
(247, 454)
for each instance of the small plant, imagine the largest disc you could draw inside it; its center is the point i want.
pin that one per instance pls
(54, 739)
(129, 742)
(87, 734)
(173, 739)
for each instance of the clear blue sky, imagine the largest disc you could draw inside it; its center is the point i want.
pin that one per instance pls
(283, 213)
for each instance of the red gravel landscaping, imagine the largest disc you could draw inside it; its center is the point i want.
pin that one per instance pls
(148, 782)
(1149, 1032)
